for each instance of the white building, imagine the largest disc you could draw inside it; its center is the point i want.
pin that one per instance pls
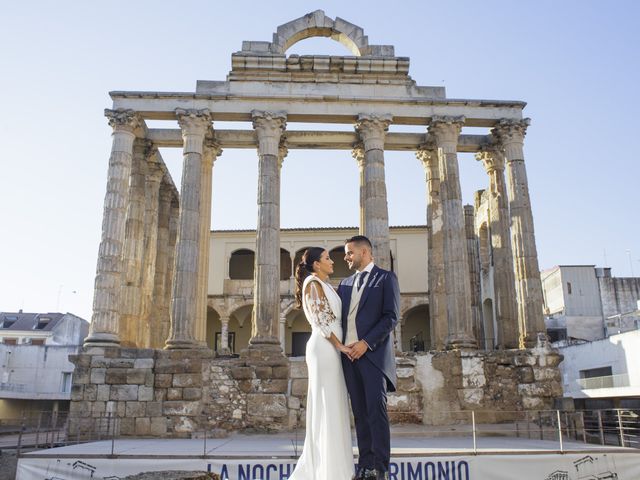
(603, 373)
(35, 372)
(583, 302)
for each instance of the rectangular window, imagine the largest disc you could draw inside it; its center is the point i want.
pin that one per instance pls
(569, 288)
(66, 382)
(37, 341)
(42, 323)
(10, 341)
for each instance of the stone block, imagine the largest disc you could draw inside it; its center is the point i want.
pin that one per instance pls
(275, 386)
(299, 387)
(407, 385)
(127, 426)
(81, 376)
(264, 372)
(187, 380)
(471, 397)
(246, 386)
(186, 365)
(242, 373)
(116, 376)
(298, 369)
(154, 409)
(525, 374)
(547, 374)
(163, 380)
(533, 403)
(405, 372)
(192, 393)
(159, 395)
(522, 359)
(174, 394)
(124, 392)
(120, 363)
(267, 405)
(293, 403)
(83, 361)
(77, 393)
(98, 375)
(98, 361)
(135, 409)
(103, 393)
(145, 394)
(136, 376)
(281, 372)
(181, 408)
(158, 426)
(98, 409)
(143, 363)
(90, 393)
(80, 409)
(143, 426)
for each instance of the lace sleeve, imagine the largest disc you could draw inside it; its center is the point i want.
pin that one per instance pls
(319, 309)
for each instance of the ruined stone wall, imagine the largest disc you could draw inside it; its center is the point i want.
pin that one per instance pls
(161, 393)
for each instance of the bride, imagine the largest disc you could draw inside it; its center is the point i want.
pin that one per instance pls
(327, 452)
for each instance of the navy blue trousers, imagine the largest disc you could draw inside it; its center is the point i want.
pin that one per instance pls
(367, 387)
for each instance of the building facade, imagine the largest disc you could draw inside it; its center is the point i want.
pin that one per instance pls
(35, 371)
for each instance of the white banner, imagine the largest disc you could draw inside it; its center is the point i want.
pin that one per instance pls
(570, 466)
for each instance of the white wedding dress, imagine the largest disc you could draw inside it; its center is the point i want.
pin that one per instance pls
(327, 452)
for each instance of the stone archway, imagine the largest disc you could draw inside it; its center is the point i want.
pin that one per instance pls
(317, 24)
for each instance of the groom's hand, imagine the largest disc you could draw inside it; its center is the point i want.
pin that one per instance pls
(358, 349)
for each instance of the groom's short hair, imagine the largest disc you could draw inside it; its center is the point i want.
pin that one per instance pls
(360, 240)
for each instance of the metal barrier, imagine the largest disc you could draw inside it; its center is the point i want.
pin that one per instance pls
(558, 430)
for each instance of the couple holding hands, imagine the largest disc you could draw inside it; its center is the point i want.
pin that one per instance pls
(350, 351)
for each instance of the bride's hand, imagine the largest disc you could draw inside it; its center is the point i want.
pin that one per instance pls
(346, 350)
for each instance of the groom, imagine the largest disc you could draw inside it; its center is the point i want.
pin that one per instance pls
(370, 310)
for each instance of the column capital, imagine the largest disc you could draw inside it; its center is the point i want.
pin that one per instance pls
(427, 153)
(509, 131)
(123, 120)
(192, 121)
(446, 130)
(269, 127)
(283, 150)
(211, 149)
(372, 130)
(358, 154)
(492, 157)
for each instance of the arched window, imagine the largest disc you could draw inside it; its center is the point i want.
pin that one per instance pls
(241, 264)
(298, 257)
(340, 267)
(285, 265)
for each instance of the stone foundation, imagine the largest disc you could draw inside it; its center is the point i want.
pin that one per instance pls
(182, 393)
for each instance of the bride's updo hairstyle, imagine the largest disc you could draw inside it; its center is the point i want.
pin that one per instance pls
(304, 269)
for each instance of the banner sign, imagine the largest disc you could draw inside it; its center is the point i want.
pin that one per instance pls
(569, 466)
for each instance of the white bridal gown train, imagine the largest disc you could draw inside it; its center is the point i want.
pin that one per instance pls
(327, 452)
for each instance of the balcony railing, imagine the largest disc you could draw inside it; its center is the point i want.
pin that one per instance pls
(609, 381)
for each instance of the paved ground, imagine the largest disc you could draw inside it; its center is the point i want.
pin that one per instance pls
(8, 463)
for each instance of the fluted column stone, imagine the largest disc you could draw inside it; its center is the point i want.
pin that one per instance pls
(104, 328)
(511, 134)
(158, 312)
(373, 197)
(194, 125)
(504, 279)
(269, 127)
(153, 180)
(428, 155)
(133, 252)
(174, 222)
(211, 151)
(445, 131)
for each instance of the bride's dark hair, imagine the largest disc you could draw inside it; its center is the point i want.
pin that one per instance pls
(304, 269)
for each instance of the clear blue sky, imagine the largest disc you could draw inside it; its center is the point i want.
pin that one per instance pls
(576, 63)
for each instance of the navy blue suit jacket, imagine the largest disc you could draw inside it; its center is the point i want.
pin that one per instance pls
(376, 318)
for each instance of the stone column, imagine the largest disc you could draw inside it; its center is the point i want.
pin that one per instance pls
(211, 151)
(104, 328)
(445, 131)
(503, 279)
(194, 125)
(474, 270)
(372, 130)
(358, 155)
(428, 155)
(158, 315)
(269, 128)
(133, 252)
(282, 332)
(153, 179)
(511, 134)
(174, 220)
(224, 337)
